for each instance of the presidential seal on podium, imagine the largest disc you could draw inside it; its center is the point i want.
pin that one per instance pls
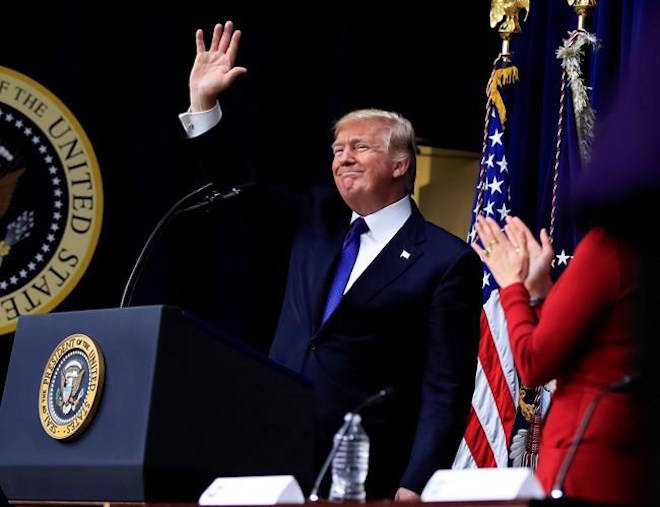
(71, 387)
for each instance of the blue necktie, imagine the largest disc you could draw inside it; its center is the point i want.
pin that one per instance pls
(345, 265)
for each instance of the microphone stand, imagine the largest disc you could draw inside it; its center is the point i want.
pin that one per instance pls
(557, 491)
(314, 496)
(177, 209)
(376, 398)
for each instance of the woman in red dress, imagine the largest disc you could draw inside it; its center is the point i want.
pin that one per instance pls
(581, 333)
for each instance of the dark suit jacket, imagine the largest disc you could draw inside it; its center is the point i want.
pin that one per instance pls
(409, 323)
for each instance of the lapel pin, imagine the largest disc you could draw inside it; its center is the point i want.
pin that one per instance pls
(405, 254)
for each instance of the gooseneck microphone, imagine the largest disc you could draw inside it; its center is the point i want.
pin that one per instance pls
(379, 397)
(182, 206)
(558, 487)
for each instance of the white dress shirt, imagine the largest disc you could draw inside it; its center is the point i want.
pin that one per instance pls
(195, 124)
(383, 224)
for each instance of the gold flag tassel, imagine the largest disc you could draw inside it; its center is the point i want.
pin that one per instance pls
(506, 13)
(501, 77)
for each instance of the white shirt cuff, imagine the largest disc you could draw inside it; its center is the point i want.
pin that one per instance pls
(196, 124)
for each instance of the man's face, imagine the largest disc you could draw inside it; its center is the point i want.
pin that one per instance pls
(366, 176)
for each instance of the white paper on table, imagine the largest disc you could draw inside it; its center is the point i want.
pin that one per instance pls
(483, 484)
(258, 490)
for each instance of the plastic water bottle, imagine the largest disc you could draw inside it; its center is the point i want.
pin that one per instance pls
(351, 462)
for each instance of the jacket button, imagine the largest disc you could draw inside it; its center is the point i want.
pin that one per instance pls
(312, 345)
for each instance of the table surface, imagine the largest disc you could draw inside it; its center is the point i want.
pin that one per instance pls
(380, 503)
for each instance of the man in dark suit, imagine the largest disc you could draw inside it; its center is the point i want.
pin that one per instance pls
(376, 296)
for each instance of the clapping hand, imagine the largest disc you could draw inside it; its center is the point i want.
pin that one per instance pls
(514, 255)
(505, 253)
(538, 281)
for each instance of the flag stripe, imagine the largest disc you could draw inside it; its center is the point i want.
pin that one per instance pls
(464, 457)
(483, 403)
(497, 385)
(500, 336)
(491, 389)
(478, 444)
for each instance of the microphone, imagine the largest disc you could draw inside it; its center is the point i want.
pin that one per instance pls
(557, 491)
(372, 400)
(210, 199)
(177, 209)
(376, 398)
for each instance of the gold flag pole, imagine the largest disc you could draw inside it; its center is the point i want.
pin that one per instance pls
(507, 12)
(503, 72)
(581, 8)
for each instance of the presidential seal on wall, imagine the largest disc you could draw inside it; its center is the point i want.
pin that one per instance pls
(71, 386)
(51, 199)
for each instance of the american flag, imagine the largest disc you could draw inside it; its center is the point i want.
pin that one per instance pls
(491, 420)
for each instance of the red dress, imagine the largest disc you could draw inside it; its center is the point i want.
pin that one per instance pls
(583, 337)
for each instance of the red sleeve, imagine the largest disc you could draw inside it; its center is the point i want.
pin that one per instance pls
(584, 289)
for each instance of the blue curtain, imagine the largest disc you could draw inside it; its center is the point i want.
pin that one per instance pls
(621, 27)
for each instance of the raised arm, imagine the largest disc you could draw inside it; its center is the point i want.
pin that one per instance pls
(213, 143)
(213, 71)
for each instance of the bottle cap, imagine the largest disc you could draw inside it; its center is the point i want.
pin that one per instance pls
(356, 418)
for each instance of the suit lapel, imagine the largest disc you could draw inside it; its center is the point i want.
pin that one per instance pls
(399, 255)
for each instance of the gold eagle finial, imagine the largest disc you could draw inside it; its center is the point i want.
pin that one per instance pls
(507, 10)
(582, 6)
